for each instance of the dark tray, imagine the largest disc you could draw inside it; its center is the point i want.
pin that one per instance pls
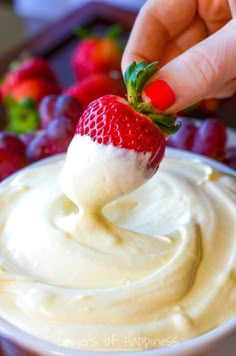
(57, 42)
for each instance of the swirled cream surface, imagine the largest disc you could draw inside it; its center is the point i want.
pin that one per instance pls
(93, 255)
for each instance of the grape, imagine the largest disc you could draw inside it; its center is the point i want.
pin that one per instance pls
(184, 137)
(55, 139)
(27, 137)
(46, 110)
(60, 132)
(230, 157)
(11, 142)
(39, 147)
(53, 106)
(210, 139)
(10, 162)
(67, 106)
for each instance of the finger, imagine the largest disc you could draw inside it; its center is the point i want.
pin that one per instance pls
(195, 33)
(226, 91)
(232, 5)
(215, 13)
(157, 23)
(193, 75)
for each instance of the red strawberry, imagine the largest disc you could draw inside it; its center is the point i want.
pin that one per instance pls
(132, 125)
(30, 68)
(208, 106)
(97, 55)
(34, 88)
(95, 86)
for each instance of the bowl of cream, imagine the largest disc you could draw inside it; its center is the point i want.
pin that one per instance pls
(95, 258)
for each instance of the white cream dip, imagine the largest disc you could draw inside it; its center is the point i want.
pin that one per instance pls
(86, 262)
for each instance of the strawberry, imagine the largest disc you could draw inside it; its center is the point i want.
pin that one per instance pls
(208, 106)
(130, 124)
(30, 68)
(97, 55)
(95, 86)
(35, 89)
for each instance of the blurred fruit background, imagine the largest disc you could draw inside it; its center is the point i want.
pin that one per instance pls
(50, 76)
(24, 18)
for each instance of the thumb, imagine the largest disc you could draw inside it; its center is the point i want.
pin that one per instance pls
(196, 73)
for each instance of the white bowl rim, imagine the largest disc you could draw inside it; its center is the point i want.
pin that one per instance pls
(174, 152)
(202, 342)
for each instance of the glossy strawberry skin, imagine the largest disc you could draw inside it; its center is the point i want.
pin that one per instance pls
(34, 88)
(111, 120)
(95, 86)
(30, 68)
(96, 55)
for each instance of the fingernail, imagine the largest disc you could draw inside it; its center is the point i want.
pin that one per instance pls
(234, 78)
(160, 94)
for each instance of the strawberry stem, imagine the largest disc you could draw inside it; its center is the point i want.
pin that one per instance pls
(16, 64)
(83, 32)
(114, 31)
(136, 76)
(190, 108)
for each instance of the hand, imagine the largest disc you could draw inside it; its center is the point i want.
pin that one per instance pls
(195, 45)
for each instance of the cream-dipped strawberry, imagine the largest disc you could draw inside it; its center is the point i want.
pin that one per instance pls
(130, 124)
(124, 140)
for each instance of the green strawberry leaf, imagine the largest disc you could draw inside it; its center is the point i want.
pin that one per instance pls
(16, 64)
(169, 130)
(83, 32)
(136, 76)
(21, 117)
(114, 31)
(190, 108)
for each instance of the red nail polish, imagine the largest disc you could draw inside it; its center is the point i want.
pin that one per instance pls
(160, 94)
(234, 78)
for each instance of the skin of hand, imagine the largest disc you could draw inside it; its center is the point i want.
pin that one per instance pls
(194, 42)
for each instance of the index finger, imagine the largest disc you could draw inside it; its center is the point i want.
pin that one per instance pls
(158, 22)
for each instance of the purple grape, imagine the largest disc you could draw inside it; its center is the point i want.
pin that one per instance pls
(27, 137)
(230, 157)
(11, 142)
(47, 110)
(10, 162)
(60, 132)
(184, 137)
(210, 139)
(39, 147)
(68, 106)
